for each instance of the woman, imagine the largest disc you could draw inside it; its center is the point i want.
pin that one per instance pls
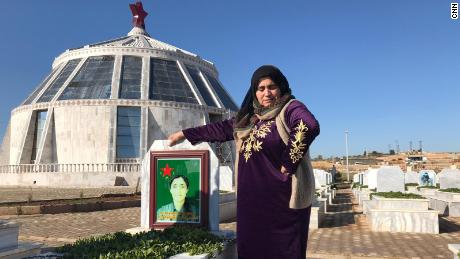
(180, 209)
(275, 183)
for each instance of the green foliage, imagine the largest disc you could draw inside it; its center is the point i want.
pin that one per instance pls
(153, 244)
(409, 184)
(397, 195)
(427, 187)
(456, 190)
(355, 185)
(364, 186)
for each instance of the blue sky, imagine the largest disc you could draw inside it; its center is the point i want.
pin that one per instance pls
(384, 70)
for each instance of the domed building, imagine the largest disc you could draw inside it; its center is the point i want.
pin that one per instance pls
(103, 104)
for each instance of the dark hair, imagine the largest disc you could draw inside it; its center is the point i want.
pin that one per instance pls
(276, 76)
(179, 176)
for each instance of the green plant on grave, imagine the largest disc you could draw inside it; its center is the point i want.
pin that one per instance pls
(153, 244)
(364, 186)
(397, 195)
(409, 184)
(427, 187)
(454, 190)
(355, 185)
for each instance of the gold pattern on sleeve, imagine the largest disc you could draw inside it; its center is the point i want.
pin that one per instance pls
(298, 146)
(252, 142)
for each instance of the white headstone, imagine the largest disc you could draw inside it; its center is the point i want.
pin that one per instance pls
(427, 178)
(321, 176)
(226, 178)
(161, 145)
(372, 178)
(449, 178)
(390, 179)
(365, 178)
(411, 177)
(356, 178)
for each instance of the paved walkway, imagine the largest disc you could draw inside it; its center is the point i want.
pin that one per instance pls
(345, 234)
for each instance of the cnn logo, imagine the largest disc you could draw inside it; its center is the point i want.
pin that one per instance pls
(454, 11)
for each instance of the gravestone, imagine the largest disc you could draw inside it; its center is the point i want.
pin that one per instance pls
(356, 178)
(390, 179)
(213, 181)
(9, 245)
(411, 177)
(365, 178)
(321, 176)
(427, 178)
(372, 178)
(449, 178)
(226, 178)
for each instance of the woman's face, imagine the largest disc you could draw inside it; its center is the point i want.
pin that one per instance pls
(267, 92)
(178, 189)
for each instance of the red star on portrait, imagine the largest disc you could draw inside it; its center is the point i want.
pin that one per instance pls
(167, 170)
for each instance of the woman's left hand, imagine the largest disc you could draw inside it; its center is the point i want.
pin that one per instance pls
(284, 170)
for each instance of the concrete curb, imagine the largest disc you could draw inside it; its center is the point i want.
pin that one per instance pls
(68, 208)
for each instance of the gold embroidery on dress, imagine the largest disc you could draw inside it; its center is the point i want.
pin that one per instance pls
(297, 144)
(252, 143)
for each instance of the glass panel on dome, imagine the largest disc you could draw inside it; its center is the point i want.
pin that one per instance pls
(37, 90)
(167, 83)
(220, 91)
(93, 81)
(131, 72)
(204, 91)
(59, 81)
(39, 127)
(128, 132)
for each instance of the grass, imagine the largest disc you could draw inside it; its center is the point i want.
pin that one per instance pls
(397, 195)
(455, 190)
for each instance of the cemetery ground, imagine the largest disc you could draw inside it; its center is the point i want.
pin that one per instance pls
(345, 232)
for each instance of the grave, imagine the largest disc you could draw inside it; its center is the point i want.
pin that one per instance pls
(449, 178)
(9, 245)
(446, 203)
(401, 215)
(213, 183)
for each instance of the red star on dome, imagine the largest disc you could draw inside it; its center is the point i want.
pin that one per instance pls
(167, 170)
(138, 14)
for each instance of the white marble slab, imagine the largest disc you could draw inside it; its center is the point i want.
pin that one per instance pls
(390, 178)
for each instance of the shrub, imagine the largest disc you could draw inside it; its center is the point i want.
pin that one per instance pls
(153, 244)
(456, 190)
(364, 186)
(427, 187)
(397, 195)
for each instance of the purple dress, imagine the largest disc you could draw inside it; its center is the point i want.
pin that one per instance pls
(266, 226)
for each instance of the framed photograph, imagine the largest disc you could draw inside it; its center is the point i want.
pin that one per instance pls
(179, 188)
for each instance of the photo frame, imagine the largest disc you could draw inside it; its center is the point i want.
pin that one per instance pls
(179, 188)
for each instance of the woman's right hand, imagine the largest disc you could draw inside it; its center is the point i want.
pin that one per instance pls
(175, 138)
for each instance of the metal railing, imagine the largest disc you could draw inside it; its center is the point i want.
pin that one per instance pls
(72, 168)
